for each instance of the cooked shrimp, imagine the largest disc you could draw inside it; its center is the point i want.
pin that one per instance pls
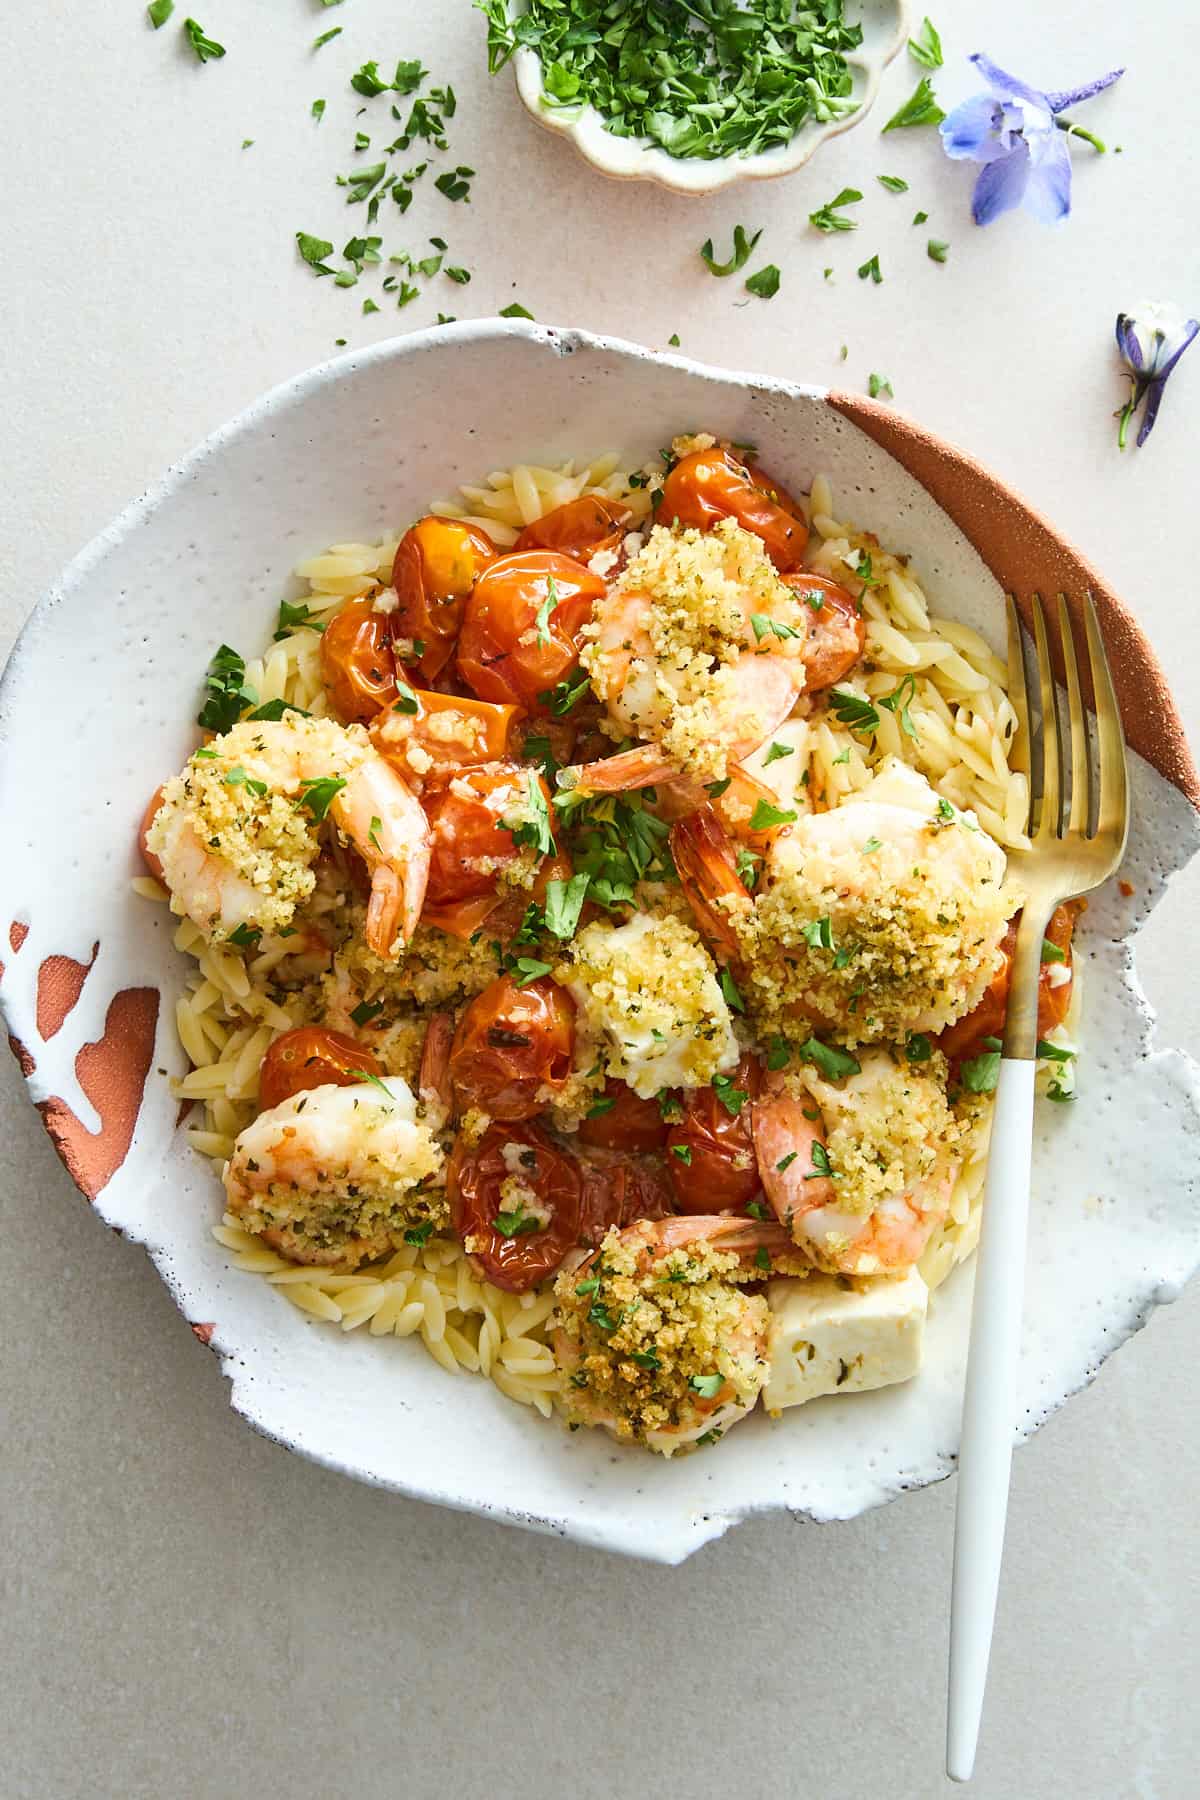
(237, 832)
(877, 919)
(696, 650)
(337, 1175)
(656, 1339)
(860, 1171)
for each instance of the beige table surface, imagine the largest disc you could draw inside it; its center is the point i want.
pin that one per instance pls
(188, 1610)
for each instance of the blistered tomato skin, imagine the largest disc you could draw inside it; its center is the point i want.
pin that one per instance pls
(710, 1151)
(511, 1046)
(710, 485)
(438, 561)
(580, 528)
(964, 1038)
(837, 629)
(619, 1189)
(625, 1121)
(543, 1182)
(448, 731)
(470, 844)
(520, 635)
(358, 668)
(312, 1057)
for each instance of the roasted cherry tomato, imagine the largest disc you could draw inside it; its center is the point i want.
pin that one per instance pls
(447, 732)
(710, 485)
(512, 1042)
(580, 528)
(520, 636)
(311, 1057)
(617, 1189)
(148, 857)
(469, 842)
(963, 1038)
(718, 1172)
(625, 1121)
(520, 1157)
(357, 665)
(438, 561)
(837, 630)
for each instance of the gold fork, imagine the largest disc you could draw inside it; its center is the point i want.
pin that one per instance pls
(1068, 856)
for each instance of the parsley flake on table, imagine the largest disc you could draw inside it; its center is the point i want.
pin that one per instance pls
(937, 251)
(893, 183)
(926, 47)
(828, 218)
(455, 183)
(514, 310)
(765, 282)
(159, 11)
(206, 48)
(879, 384)
(871, 268)
(327, 37)
(742, 247)
(921, 108)
(317, 110)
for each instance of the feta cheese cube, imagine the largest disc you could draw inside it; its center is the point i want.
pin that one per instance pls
(826, 1339)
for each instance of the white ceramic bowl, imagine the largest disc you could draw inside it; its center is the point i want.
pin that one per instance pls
(884, 24)
(90, 976)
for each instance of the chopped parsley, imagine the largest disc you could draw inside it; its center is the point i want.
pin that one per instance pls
(314, 250)
(326, 37)
(708, 1386)
(818, 934)
(732, 1098)
(534, 830)
(159, 11)
(1051, 952)
(542, 617)
(514, 310)
(828, 217)
(563, 696)
(600, 1315)
(937, 250)
(318, 795)
(892, 183)
(879, 384)
(246, 937)
(871, 268)
(206, 48)
(528, 968)
(897, 703)
(822, 1167)
(785, 1162)
(365, 1011)
(980, 1073)
(921, 108)
(833, 1063)
(779, 1053)
(764, 283)
(564, 903)
(419, 1234)
(730, 990)
(290, 617)
(777, 752)
(762, 1257)
(918, 1049)
(765, 816)
(455, 183)
(516, 1224)
(853, 710)
(228, 695)
(919, 218)
(926, 47)
(683, 1152)
(765, 626)
(237, 777)
(742, 246)
(697, 80)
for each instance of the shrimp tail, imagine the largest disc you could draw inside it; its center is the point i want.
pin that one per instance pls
(707, 864)
(643, 766)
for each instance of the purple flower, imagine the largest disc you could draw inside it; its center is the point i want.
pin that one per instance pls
(1016, 133)
(1151, 341)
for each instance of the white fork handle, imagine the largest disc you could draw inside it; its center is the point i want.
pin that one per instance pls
(989, 1411)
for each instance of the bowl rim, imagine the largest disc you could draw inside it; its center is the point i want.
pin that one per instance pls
(880, 422)
(635, 159)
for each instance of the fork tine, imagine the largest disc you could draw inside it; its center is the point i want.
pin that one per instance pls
(1049, 815)
(1080, 797)
(1018, 755)
(1113, 814)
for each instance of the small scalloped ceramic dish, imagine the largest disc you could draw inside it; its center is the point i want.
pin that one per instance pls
(90, 975)
(884, 24)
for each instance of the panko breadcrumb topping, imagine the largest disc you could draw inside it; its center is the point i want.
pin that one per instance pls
(650, 1007)
(887, 1128)
(873, 939)
(241, 798)
(657, 1345)
(669, 678)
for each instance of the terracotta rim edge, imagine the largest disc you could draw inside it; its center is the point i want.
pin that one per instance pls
(1027, 556)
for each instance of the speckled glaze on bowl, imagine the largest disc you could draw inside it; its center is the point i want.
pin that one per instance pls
(885, 25)
(90, 977)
